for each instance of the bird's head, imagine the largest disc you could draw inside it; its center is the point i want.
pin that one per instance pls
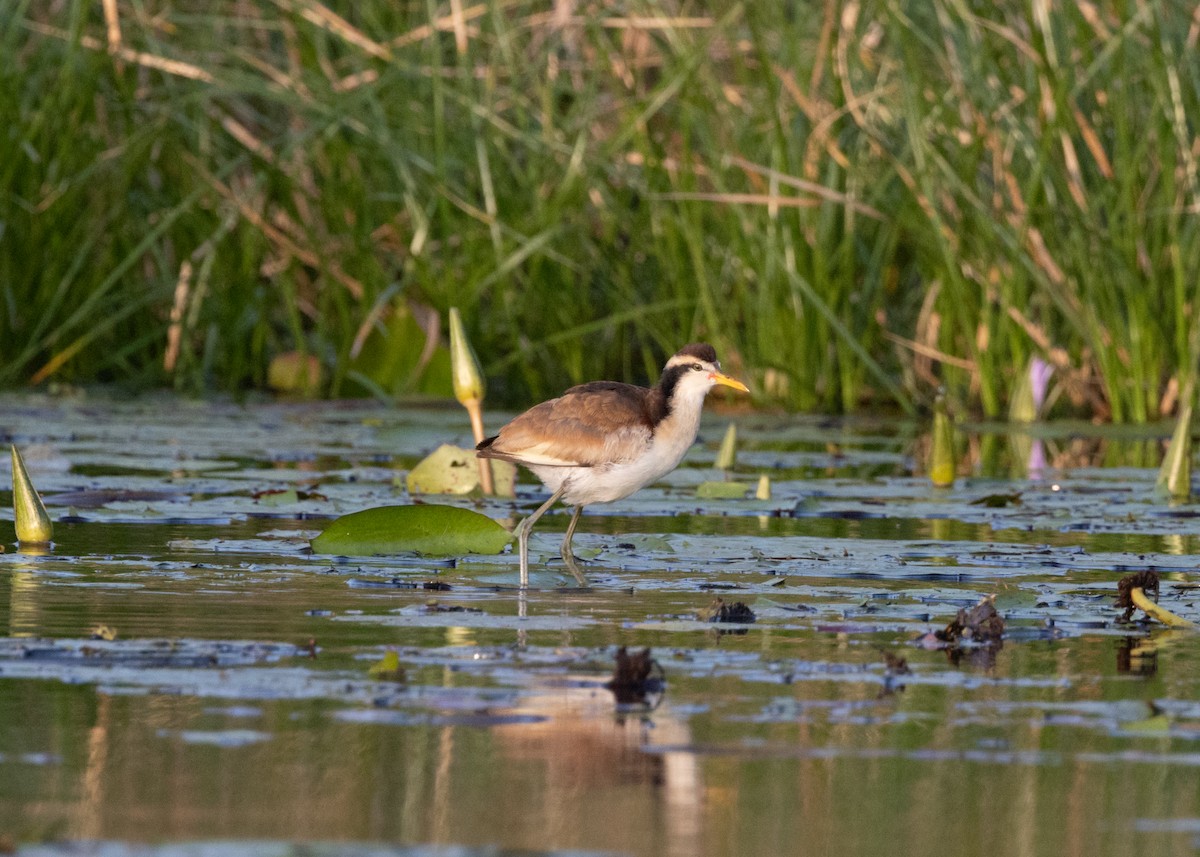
(693, 371)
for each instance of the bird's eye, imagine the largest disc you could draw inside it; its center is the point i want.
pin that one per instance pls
(698, 367)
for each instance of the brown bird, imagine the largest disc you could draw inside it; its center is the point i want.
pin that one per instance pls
(602, 441)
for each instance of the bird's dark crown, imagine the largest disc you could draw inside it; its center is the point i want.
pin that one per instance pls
(699, 350)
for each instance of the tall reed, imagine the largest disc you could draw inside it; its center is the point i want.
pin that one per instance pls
(858, 203)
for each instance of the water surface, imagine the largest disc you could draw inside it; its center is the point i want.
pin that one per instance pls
(236, 703)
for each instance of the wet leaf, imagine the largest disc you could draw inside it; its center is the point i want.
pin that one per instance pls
(278, 497)
(32, 522)
(998, 501)
(86, 499)
(434, 530)
(722, 490)
(454, 470)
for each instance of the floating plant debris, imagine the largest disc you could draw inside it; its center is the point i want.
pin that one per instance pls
(979, 624)
(1140, 591)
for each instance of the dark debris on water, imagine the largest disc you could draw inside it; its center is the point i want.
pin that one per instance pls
(636, 678)
(720, 611)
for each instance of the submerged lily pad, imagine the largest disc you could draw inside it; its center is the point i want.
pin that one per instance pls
(722, 490)
(434, 530)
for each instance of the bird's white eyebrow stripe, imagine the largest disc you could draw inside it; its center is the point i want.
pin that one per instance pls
(688, 360)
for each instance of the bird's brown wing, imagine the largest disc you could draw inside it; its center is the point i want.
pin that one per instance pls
(599, 423)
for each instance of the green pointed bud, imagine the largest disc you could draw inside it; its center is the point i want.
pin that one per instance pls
(469, 385)
(727, 454)
(763, 492)
(942, 468)
(1175, 475)
(33, 524)
(469, 388)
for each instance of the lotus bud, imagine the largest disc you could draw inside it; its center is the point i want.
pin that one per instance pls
(469, 388)
(33, 523)
(469, 385)
(763, 492)
(727, 454)
(942, 466)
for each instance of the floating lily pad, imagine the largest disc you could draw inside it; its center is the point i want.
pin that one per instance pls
(434, 530)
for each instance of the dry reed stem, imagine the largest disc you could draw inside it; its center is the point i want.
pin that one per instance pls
(373, 317)
(822, 114)
(1041, 255)
(809, 187)
(631, 22)
(278, 236)
(1074, 175)
(332, 22)
(354, 81)
(244, 136)
(112, 24)
(280, 78)
(930, 351)
(1092, 140)
(459, 24)
(446, 22)
(738, 198)
(169, 66)
(175, 328)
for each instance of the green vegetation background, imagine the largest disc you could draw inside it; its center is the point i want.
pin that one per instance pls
(856, 202)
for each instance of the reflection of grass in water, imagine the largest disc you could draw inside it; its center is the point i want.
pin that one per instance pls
(854, 207)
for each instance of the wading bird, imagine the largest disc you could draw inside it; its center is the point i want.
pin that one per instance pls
(602, 441)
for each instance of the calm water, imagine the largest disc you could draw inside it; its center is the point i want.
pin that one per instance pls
(237, 701)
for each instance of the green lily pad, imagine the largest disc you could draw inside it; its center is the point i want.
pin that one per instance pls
(431, 529)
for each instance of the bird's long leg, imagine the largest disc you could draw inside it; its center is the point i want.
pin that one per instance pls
(522, 533)
(567, 555)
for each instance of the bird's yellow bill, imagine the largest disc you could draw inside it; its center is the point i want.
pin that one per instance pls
(722, 378)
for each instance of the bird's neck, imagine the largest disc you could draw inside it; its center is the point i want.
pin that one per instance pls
(678, 411)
